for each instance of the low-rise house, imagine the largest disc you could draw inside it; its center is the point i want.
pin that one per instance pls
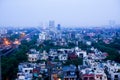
(53, 54)
(88, 43)
(92, 74)
(99, 74)
(72, 56)
(44, 55)
(113, 70)
(63, 57)
(69, 72)
(80, 53)
(115, 75)
(56, 71)
(39, 70)
(42, 36)
(33, 55)
(30, 71)
(92, 70)
(25, 71)
(86, 74)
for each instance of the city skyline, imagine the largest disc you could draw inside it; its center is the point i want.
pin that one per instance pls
(66, 13)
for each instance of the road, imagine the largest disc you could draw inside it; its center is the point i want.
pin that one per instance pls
(16, 46)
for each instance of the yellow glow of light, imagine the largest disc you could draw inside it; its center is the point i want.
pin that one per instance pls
(6, 42)
(16, 42)
(22, 34)
(59, 79)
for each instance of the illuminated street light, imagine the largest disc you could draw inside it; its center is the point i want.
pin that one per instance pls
(59, 79)
(17, 42)
(22, 34)
(6, 42)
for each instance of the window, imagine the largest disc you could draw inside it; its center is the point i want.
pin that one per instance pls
(30, 71)
(105, 77)
(91, 78)
(85, 78)
(25, 70)
(66, 79)
(116, 76)
(71, 78)
(100, 78)
(97, 77)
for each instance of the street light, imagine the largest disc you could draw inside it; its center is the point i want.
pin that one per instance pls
(6, 42)
(59, 79)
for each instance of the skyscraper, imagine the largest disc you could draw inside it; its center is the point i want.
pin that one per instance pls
(51, 24)
(58, 27)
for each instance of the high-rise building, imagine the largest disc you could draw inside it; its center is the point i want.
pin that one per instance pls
(58, 27)
(42, 36)
(111, 23)
(3, 31)
(51, 24)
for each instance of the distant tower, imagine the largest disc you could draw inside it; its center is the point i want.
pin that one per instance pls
(112, 23)
(42, 36)
(51, 24)
(58, 27)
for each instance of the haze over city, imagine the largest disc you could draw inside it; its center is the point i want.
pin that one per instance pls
(59, 39)
(65, 12)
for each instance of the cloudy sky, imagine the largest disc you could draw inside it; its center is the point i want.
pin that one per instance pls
(65, 12)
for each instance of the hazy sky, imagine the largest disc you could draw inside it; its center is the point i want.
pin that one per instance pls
(65, 12)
